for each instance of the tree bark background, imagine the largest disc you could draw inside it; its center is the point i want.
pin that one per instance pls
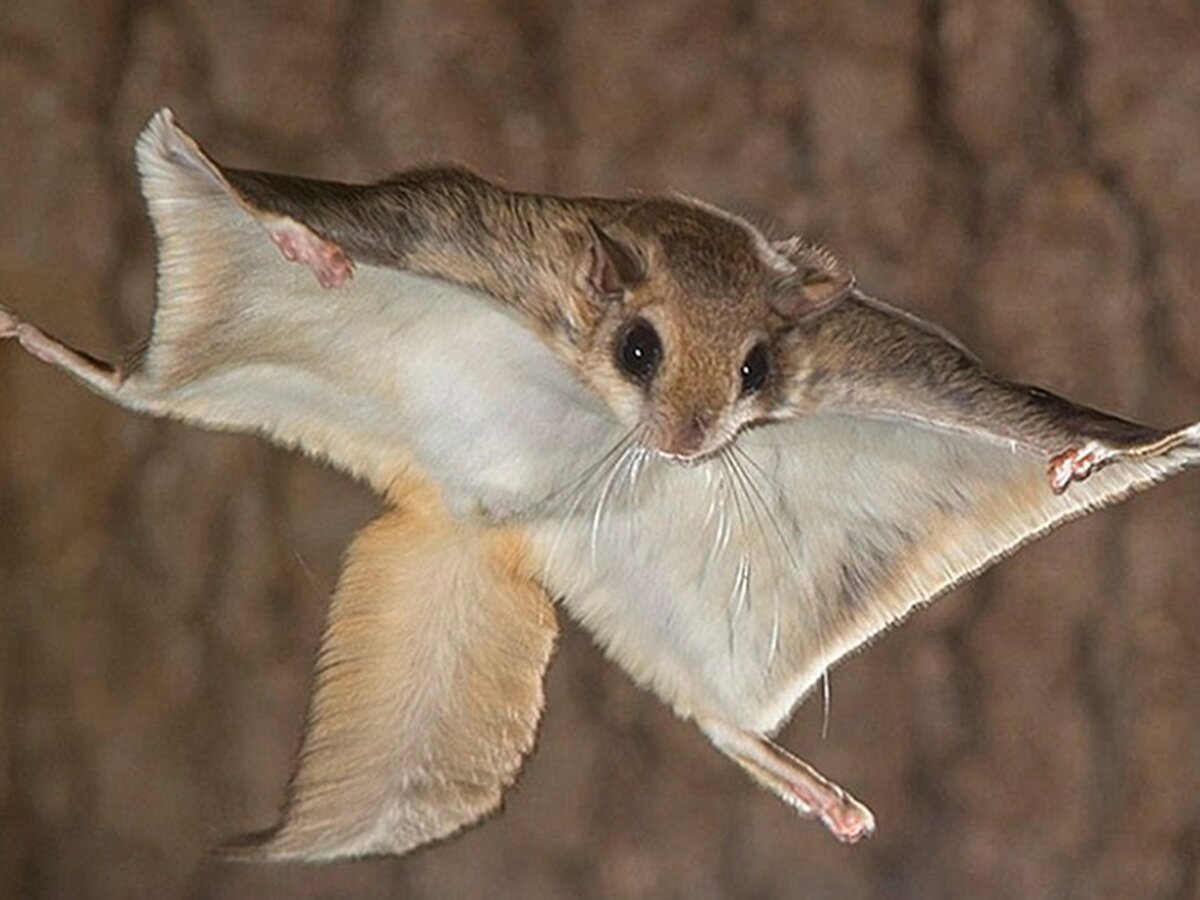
(1026, 173)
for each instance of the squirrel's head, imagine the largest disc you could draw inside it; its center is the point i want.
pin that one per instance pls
(689, 314)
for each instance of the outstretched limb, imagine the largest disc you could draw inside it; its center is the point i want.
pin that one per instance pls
(794, 781)
(867, 359)
(98, 375)
(1078, 463)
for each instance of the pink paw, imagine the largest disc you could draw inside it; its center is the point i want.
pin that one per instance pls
(1076, 464)
(849, 821)
(298, 244)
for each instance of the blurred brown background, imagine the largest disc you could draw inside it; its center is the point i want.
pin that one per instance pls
(1027, 173)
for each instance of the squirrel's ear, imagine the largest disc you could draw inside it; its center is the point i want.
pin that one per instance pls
(818, 279)
(613, 266)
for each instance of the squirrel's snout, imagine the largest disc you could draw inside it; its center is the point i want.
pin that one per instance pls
(686, 440)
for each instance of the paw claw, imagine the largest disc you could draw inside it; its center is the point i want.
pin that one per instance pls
(1075, 464)
(8, 324)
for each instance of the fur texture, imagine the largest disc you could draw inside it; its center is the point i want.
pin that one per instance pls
(428, 687)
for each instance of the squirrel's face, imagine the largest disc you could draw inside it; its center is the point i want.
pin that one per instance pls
(690, 375)
(690, 342)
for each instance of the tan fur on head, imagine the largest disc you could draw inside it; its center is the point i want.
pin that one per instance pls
(712, 289)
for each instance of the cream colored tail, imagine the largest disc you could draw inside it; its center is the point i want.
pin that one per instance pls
(428, 688)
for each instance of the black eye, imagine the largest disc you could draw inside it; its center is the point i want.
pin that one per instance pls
(639, 351)
(755, 369)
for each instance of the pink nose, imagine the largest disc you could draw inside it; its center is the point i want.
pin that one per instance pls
(686, 438)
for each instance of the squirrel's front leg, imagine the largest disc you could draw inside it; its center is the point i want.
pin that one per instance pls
(519, 248)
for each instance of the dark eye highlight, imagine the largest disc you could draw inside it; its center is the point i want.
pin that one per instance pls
(755, 369)
(639, 351)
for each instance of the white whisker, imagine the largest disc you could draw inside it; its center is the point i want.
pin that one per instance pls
(712, 488)
(606, 492)
(825, 704)
(556, 499)
(741, 581)
(764, 505)
(634, 492)
(758, 508)
(787, 539)
(724, 520)
(640, 455)
(577, 491)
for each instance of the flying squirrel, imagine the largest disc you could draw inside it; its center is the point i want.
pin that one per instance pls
(727, 461)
